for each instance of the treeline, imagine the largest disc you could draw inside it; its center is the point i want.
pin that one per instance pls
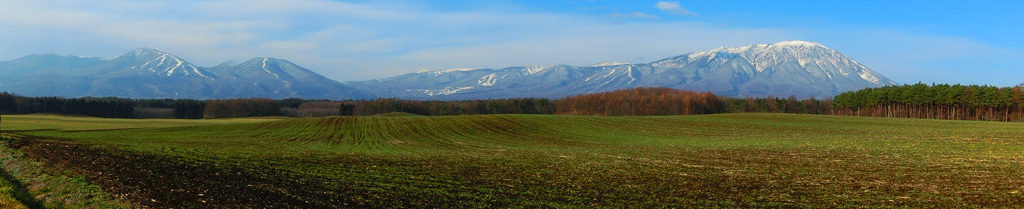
(237, 108)
(778, 105)
(639, 101)
(170, 108)
(198, 109)
(955, 102)
(96, 107)
(107, 107)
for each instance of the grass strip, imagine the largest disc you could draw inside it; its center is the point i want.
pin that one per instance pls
(12, 193)
(25, 183)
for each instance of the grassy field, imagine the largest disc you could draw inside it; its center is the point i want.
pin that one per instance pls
(73, 123)
(722, 160)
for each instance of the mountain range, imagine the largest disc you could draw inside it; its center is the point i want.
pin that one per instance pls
(781, 69)
(148, 73)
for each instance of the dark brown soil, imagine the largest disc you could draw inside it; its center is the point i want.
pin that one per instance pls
(162, 182)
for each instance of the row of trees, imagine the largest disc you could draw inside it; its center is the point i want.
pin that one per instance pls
(778, 105)
(641, 101)
(97, 107)
(107, 107)
(170, 108)
(237, 108)
(956, 102)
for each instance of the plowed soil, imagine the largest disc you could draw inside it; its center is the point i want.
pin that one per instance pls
(163, 182)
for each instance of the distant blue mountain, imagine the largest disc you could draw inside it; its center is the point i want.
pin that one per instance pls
(148, 73)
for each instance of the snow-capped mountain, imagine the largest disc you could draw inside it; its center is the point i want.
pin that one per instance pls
(277, 78)
(781, 69)
(144, 61)
(149, 73)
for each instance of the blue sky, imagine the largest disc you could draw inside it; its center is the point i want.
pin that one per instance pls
(968, 42)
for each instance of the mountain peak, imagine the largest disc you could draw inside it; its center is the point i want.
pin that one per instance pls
(149, 53)
(268, 60)
(755, 50)
(450, 70)
(152, 61)
(782, 44)
(797, 43)
(605, 64)
(145, 51)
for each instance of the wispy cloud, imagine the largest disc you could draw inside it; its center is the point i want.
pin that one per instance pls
(366, 40)
(673, 8)
(909, 57)
(640, 15)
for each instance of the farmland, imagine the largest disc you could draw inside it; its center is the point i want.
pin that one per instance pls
(401, 160)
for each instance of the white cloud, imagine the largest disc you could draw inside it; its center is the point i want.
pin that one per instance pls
(673, 8)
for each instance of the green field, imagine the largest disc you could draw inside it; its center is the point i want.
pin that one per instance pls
(721, 160)
(71, 123)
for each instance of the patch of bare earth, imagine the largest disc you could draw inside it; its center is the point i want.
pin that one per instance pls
(164, 182)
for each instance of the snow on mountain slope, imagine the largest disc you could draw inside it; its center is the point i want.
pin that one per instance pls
(277, 78)
(151, 61)
(149, 73)
(781, 69)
